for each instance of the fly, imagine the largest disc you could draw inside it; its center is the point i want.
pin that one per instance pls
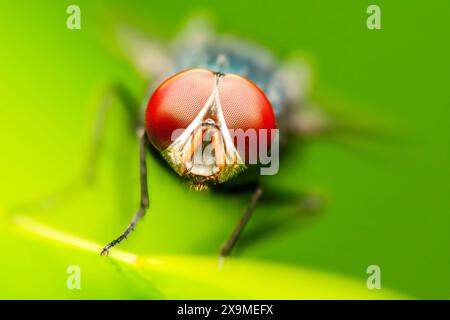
(216, 106)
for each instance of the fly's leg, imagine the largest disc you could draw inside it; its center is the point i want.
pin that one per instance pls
(143, 143)
(299, 205)
(233, 238)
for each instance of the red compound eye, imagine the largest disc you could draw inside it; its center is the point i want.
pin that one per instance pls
(246, 107)
(178, 100)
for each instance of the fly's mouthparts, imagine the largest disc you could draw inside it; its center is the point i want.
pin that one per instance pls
(205, 151)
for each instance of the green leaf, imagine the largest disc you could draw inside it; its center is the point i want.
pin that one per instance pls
(205, 277)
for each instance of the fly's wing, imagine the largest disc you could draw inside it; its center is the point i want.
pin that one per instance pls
(150, 57)
(295, 76)
(304, 117)
(299, 115)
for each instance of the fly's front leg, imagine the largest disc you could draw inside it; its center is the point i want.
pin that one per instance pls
(143, 143)
(231, 241)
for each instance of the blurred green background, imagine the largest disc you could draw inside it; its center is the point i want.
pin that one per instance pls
(387, 194)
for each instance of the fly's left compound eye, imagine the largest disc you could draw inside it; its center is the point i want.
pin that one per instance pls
(212, 105)
(175, 104)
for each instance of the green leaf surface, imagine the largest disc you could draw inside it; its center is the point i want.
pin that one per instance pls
(178, 276)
